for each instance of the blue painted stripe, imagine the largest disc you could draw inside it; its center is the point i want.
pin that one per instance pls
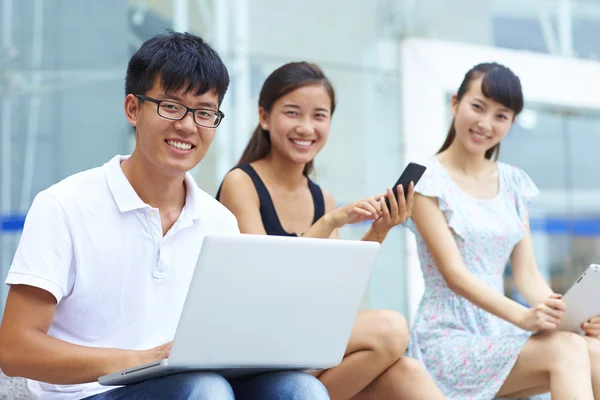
(12, 222)
(583, 227)
(580, 227)
(563, 226)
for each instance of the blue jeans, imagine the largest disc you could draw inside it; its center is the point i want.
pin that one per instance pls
(210, 386)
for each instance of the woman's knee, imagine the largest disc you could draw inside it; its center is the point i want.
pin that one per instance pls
(390, 333)
(567, 350)
(593, 345)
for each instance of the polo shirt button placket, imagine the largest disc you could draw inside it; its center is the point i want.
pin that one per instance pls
(158, 269)
(161, 267)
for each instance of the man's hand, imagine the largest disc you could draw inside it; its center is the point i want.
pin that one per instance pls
(135, 358)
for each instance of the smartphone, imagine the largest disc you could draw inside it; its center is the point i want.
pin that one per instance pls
(412, 173)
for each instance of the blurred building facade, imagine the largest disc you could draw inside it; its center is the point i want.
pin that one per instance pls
(394, 64)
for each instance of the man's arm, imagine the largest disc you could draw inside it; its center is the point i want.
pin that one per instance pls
(39, 279)
(26, 349)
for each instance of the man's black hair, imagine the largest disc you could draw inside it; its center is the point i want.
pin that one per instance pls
(182, 61)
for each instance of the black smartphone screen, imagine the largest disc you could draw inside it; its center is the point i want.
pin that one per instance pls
(412, 173)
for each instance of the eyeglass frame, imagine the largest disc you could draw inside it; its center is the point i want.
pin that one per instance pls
(187, 110)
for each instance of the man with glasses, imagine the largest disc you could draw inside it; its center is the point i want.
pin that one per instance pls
(104, 263)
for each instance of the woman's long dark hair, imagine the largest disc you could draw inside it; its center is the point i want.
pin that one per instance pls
(500, 84)
(282, 81)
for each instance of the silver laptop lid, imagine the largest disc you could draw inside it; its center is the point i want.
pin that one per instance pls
(269, 301)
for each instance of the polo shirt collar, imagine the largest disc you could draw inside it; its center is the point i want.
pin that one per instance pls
(128, 200)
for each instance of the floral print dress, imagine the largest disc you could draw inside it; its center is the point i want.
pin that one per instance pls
(466, 350)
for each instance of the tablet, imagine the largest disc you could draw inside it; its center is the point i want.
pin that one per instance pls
(582, 300)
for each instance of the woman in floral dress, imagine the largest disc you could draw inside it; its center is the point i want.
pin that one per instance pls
(470, 219)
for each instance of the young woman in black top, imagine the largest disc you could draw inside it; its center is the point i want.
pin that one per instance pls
(270, 192)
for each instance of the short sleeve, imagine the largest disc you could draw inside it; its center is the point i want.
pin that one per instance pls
(45, 252)
(434, 183)
(525, 186)
(524, 190)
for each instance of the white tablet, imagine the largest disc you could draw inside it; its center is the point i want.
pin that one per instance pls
(582, 300)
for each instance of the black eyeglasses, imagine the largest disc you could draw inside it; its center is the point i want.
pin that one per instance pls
(176, 111)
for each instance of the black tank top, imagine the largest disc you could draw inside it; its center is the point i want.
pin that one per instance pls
(268, 214)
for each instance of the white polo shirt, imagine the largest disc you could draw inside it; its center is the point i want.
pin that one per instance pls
(99, 249)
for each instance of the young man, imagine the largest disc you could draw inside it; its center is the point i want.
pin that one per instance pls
(101, 273)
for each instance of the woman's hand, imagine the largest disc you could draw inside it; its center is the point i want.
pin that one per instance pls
(352, 213)
(592, 327)
(400, 209)
(544, 316)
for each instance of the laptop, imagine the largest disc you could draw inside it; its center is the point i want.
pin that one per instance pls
(260, 303)
(582, 300)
